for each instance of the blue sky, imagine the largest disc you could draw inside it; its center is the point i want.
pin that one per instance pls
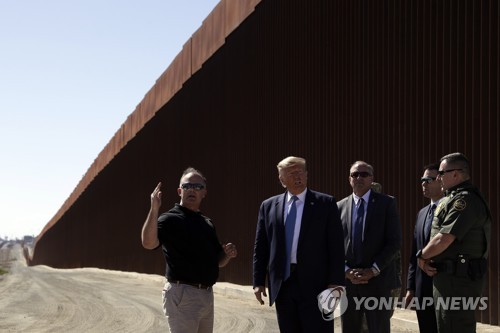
(70, 74)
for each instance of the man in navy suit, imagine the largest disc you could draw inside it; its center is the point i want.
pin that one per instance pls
(419, 284)
(299, 247)
(372, 238)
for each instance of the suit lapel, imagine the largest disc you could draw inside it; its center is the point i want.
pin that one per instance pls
(280, 210)
(372, 203)
(306, 216)
(419, 229)
(348, 211)
(279, 227)
(424, 238)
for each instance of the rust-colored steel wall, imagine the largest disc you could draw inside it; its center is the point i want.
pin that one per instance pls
(396, 83)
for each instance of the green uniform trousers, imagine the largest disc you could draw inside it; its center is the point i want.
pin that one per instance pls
(456, 300)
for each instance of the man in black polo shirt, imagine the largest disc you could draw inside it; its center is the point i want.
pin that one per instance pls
(192, 252)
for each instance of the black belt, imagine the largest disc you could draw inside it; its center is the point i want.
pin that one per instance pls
(447, 266)
(475, 268)
(196, 285)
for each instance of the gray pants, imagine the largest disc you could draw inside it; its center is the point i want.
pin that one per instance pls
(188, 309)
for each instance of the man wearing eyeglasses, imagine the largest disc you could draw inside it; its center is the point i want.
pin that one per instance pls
(192, 252)
(372, 238)
(456, 256)
(419, 284)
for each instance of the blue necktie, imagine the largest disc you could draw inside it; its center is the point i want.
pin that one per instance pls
(289, 229)
(358, 232)
(428, 223)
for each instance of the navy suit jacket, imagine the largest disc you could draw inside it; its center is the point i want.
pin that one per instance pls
(381, 242)
(320, 249)
(418, 281)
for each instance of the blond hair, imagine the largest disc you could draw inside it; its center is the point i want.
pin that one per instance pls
(291, 161)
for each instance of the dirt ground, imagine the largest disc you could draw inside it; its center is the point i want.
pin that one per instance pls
(44, 299)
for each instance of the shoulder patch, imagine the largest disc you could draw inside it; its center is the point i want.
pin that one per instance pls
(460, 204)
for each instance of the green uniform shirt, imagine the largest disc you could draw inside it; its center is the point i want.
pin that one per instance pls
(465, 214)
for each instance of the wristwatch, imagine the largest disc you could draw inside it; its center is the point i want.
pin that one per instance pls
(419, 255)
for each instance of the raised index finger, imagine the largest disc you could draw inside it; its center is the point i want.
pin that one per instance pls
(158, 187)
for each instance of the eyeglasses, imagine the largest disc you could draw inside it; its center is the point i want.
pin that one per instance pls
(192, 186)
(363, 174)
(442, 172)
(427, 180)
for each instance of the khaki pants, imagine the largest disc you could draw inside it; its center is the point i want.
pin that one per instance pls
(188, 309)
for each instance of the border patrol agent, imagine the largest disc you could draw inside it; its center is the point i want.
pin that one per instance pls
(457, 253)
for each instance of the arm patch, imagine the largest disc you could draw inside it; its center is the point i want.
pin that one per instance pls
(460, 204)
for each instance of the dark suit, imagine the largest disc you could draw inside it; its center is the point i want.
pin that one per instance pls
(381, 242)
(418, 281)
(320, 260)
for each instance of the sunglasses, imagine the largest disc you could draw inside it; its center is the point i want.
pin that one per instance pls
(427, 180)
(442, 172)
(363, 174)
(192, 186)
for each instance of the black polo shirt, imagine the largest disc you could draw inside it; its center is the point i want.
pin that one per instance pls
(190, 246)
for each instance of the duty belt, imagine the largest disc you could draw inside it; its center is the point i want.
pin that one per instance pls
(446, 266)
(473, 268)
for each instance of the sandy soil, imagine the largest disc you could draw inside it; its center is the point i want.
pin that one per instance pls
(44, 299)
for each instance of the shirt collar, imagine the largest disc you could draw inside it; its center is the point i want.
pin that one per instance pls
(365, 197)
(459, 187)
(436, 202)
(300, 196)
